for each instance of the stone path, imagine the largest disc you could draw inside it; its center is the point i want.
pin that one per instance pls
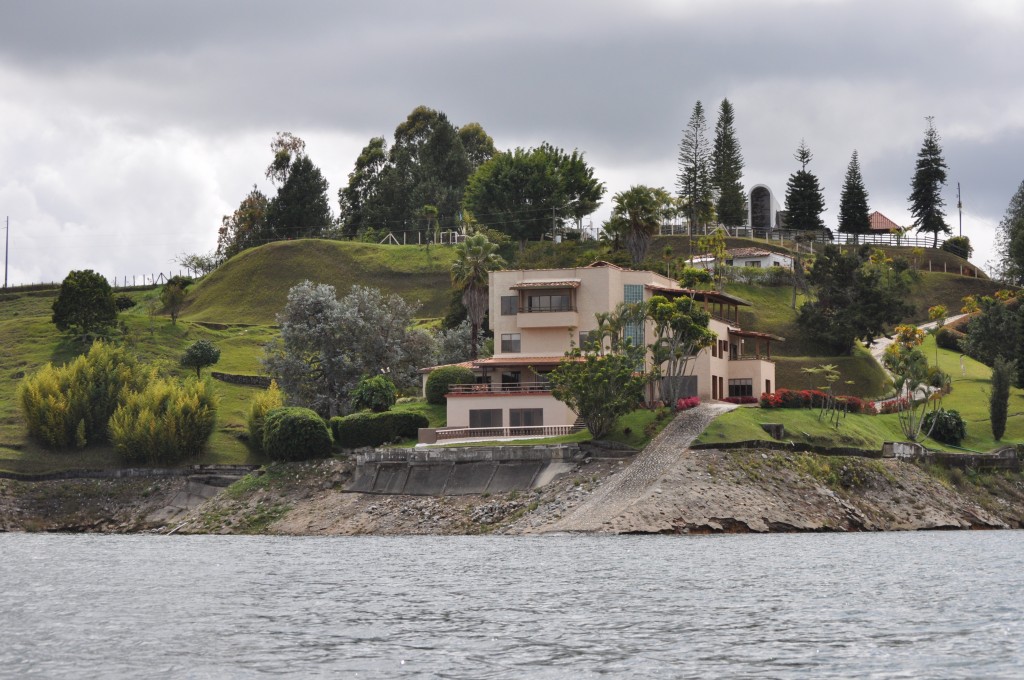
(878, 348)
(615, 496)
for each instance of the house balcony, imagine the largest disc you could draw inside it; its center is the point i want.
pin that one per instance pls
(486, 389)
(549, 317)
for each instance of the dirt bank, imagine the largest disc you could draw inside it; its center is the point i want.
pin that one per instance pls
(695, 492)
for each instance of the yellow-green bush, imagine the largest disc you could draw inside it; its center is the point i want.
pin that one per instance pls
(69, 406)
(164, 423)
(261, 404)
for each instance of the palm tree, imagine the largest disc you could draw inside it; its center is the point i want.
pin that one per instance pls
(638, 212)
(474, 257)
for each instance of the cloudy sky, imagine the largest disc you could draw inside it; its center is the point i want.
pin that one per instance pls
(129, 128)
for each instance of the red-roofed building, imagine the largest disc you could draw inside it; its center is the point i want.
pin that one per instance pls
(880, 224)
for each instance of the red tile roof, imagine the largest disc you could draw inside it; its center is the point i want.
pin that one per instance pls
(881, 223)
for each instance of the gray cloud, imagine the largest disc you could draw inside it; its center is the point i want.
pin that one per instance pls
(95, 90)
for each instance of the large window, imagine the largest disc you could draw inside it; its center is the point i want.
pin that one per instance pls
(634, 331)
(549, 302)
(511, 342)
(485, 417)
(526, 417)
(509, 305)
(741, 387)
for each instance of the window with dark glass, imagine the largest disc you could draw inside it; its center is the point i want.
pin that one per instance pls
(548, 302)
(485, 417)
(741, 387)
(526, 417)
(509, 305)
(511, 342)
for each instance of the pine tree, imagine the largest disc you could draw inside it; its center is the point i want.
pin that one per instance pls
(930, 176)
(804, 199)
(694, 179)
(1010, 240)
(853, 202)
(727, 169)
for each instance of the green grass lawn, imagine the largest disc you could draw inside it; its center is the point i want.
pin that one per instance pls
(969, 397)
(253, 286)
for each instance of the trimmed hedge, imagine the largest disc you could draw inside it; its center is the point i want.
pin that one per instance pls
(294, 433)
(949, 426)
(947, 338)
(440, 379)
(373, 429)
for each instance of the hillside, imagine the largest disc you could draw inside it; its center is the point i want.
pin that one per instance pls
(253, 286)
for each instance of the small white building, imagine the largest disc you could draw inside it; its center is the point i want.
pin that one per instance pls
(745, 257)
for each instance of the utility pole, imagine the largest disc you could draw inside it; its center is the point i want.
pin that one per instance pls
(960, 208)
(7, 244)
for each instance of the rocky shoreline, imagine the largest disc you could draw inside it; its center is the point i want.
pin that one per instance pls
(708, 491)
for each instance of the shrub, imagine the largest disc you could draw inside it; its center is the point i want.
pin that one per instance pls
(377, 394)
(294, 433)
(199, 355)
(894, 406)
(686, 403)
(949, 426)
(164, 423)
(374, 429)
(958, 245)
(998, 401)
(70, 405)
(123, 302)
(947, 338)
(261, 404)
(783, 398)
(180, 281)
(439, 381)
(741, 400)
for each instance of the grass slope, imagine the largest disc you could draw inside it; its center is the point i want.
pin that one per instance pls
(253, 286)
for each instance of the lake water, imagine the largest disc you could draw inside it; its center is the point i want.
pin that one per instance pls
(927, 605)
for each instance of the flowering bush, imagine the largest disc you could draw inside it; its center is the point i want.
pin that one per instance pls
(895, 405)
(741, 400)
(783, 398)
(686, 403)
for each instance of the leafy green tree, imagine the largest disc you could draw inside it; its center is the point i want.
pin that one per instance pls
(909, 368)
(600, 386)
(528, 193)
(636, 216)
(441, 379)
(804, 199)
(199, 355)
(301, 208)
(199, 263)
(681, 331)
(173, 299)
(694, 180)
(996, 332)
(246, 227)
(85, 304)
(926, 201)
(1010, 240)
(999, 398)
(286, 148)
(375, 393)
(853, 202)
(858, 295)
(327, 345)
(474, 258)
(727, 170)
(428, 163)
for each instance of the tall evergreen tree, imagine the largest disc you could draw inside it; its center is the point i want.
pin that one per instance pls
(804, 199)
(694, 179)
(853, 202)
(1010, 240)
(727, 170)
(929, 177)
(301, 207)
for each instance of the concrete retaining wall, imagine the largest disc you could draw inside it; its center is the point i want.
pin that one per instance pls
(457, 471)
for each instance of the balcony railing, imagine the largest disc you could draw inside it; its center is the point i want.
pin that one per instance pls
(500, 388)
(526, 309)
(499, 432)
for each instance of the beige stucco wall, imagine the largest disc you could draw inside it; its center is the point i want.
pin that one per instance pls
(555, 412)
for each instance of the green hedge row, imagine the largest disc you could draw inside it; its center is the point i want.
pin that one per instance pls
(374, 429)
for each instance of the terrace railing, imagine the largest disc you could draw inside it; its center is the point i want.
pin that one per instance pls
(500, 388)
(501, 432)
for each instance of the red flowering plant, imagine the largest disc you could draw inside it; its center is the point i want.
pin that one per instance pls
(686, 403)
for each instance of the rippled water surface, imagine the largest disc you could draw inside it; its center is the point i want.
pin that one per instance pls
(935, 605)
